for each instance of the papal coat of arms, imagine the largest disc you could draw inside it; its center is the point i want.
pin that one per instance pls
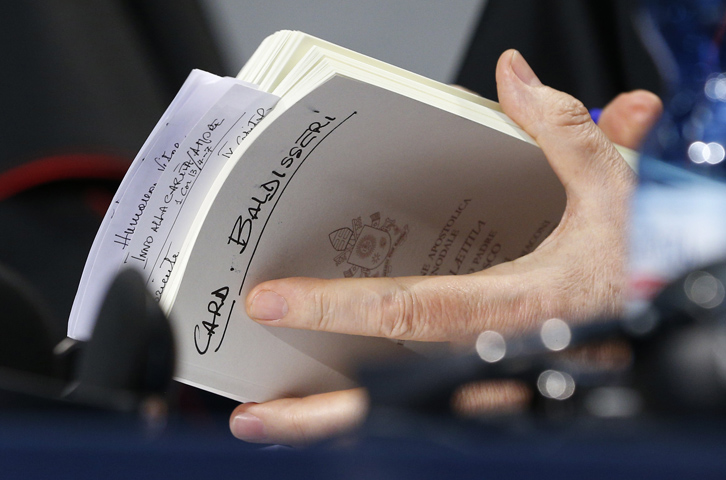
(367, 249)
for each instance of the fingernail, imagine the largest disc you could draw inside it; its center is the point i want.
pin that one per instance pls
(523, 71)
(246, 426)
(267, 305)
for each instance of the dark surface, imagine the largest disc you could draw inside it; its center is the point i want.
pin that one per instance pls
(591, 50)
(90, 444)
(82, 77)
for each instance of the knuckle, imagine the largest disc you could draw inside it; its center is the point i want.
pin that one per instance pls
(298, 427)
(398, 316)
(325, 311)
(569, 112)
(439, 313)
(572, 120)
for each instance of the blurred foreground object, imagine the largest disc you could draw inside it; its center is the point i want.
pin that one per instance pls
(127, 365)
(676, 367)
(131, 352)
(679, 212)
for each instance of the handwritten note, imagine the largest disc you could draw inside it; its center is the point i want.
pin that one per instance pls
(186, 129)
(184, 183)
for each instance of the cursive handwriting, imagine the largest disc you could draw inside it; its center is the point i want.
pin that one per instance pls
(181, 182)
(144, 253)
(310, 134)
(158, 218)
(163, 160)
(214, 307)
(201, 148)
(171, 261)
(260, 113)
(242, 228)
(124, 238)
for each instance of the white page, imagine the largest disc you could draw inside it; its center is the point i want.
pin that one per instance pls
(438, 193)
(199, 93)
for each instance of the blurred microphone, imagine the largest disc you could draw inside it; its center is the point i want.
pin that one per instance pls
(127, 365)
(130, 357)
(680, 345)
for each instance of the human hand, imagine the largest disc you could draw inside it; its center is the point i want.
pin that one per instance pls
(577, 273)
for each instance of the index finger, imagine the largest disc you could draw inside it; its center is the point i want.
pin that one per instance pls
(507, 297)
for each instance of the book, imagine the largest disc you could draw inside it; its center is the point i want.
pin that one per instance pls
(314, 161)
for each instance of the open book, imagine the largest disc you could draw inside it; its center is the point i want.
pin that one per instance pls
(315, 161)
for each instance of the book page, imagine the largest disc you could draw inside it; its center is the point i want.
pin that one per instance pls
(352, 180)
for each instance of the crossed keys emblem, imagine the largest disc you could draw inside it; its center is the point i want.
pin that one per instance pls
(367, 248)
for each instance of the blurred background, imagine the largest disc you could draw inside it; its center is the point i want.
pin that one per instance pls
(84, 82)
(428, 37)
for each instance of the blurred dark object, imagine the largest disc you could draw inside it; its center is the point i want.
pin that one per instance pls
(126, 366)
(131, 352)
(680, 363)
(86, 442)
(94, 76)
(28, 333)
(677, 367)
(588, 49)
(85, 81)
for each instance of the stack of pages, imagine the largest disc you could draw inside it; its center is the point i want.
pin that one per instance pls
(315, 161)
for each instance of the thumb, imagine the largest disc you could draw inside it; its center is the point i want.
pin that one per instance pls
(578, 151)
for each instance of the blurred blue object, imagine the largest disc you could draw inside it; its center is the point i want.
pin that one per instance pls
(72, 444)
(679, 211)
(595, 114)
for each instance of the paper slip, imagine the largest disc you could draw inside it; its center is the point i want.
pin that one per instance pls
(203, 95)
